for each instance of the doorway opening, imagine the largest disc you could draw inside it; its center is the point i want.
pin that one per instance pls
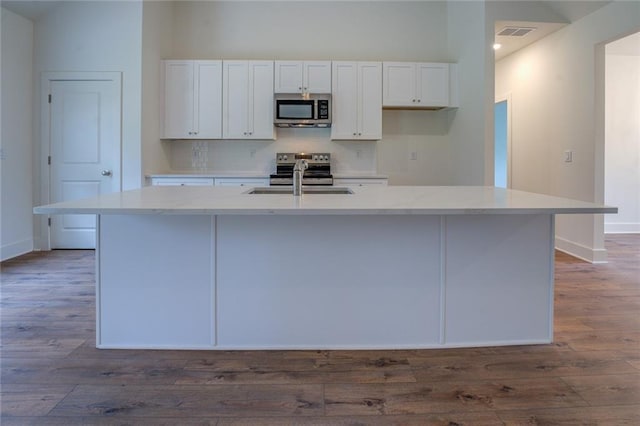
(502, 144)
(622, 134)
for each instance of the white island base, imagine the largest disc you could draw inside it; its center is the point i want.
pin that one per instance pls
(324, 281)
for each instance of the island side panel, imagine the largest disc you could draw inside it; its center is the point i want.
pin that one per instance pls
(499, 279)
(155, 284)
(328, 282)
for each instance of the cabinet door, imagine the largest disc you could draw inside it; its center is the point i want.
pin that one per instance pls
(399, 86)
(344, 98)
(235, 99)
(260, 120)
(178, 99)
(208, 99)
(288, 77)
(317, 77)
(370, 100)
(432, 84)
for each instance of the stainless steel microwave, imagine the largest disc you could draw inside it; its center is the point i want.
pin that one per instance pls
(302, 110)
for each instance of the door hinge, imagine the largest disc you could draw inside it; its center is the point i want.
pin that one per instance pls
(49, 160)
(48, 221)
(49, 97)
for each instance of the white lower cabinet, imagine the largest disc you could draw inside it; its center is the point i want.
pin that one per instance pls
(182, 181)
(252, 182)
(360, 181)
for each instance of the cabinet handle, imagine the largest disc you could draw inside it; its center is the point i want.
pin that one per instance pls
(413, 100)
(418, 100)
(355, 134)
(359, 134)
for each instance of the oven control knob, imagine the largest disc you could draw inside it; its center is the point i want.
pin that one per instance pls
(315, 158)
(284, 158)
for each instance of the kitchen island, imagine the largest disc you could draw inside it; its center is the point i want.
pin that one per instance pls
(382, 267)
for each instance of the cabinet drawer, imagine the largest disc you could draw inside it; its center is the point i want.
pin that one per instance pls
(252, 182)
(359, 181)
(186, 181)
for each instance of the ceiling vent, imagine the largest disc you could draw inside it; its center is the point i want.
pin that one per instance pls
(515, 31)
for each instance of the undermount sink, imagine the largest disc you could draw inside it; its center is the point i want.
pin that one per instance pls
(305, 190)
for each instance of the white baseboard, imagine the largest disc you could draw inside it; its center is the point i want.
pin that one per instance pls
(622, 228)
(581, 252)
(12, 250)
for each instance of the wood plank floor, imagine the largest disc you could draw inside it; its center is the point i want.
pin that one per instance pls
(52, 374)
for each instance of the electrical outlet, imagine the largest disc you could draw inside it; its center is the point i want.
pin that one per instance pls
(568, 156)
(358, 153)
(413, 156)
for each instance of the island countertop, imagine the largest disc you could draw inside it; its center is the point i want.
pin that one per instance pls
(374, 200)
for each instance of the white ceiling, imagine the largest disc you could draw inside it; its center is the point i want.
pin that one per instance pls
(511, 44)
(570, 11)
(629, 46)
(32, 10)
(566, 11)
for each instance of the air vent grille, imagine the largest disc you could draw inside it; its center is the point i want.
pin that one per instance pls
(515, 31)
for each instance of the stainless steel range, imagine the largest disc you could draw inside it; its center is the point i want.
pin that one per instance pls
(318, 172)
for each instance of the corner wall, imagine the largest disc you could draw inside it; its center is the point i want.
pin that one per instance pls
(556, 103)
(16, 232)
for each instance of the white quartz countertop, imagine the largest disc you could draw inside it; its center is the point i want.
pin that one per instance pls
(403, 200)
(254, 175)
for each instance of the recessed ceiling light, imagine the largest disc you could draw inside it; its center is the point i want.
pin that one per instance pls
(496, 46)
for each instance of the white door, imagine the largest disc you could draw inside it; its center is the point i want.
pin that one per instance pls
(344, 100)
(260, 120)
(85, 152)
(432, 85)
(370, 98)
(179, 99)
(399, 87)
(235, 99)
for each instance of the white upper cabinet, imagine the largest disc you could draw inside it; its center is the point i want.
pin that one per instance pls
(357, 100)
(416, 85)
(247, 98)
(302, 77)
(192, 103)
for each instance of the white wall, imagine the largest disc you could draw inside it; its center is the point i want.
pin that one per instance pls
(99, 36)
(622, 141)
(471, 138)
(157, 36)
(555, 108)
(93, 36)
(16, 143)
(394, 31)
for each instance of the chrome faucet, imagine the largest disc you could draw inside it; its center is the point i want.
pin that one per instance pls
(298, 172)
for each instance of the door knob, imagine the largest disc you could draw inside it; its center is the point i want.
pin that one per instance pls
(106, 173)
